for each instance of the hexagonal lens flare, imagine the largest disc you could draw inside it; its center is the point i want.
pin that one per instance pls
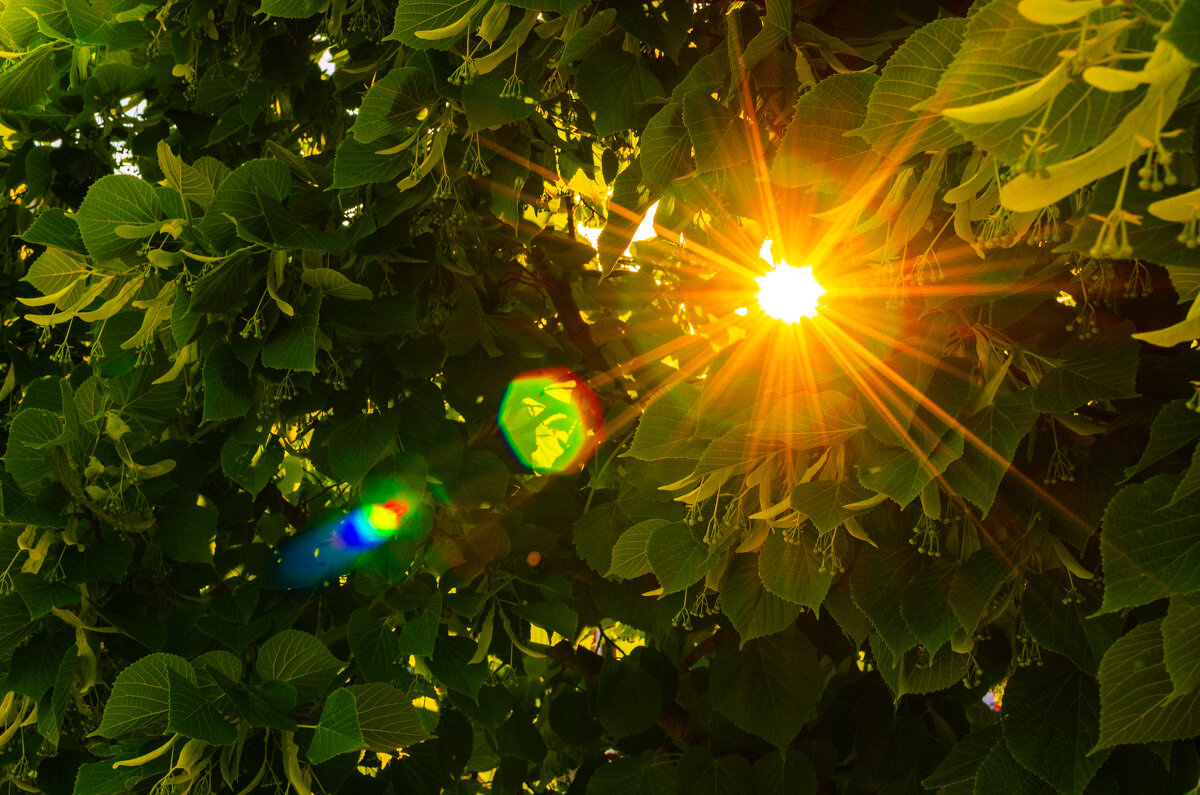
(551, 420)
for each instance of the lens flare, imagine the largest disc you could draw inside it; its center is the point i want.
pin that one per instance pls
(788, 294)
(332, 548)
(550, 420)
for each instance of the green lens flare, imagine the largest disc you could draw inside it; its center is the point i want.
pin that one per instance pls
(550, 420)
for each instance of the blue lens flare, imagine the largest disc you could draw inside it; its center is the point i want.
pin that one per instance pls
(331, 548)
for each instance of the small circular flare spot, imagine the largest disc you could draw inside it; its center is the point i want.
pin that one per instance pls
(788, 293)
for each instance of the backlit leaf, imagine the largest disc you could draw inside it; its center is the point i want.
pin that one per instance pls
(1150, 549)
(140, 698)
(1137, 703)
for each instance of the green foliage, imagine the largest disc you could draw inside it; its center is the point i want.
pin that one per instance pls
(266, 265)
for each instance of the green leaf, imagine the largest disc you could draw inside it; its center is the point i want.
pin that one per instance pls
(776, 29)
(358, 164)
(419, 633)
(41, 596)
(26, 79)
(791, 570)
(220, 289)
(878, 581)
(1150, 549)
(352, 447)
(28, 456)
(337, 731)
(376, 648)
(920, 675)
(584, 40)
(1066, 628)
(1000, 773)
(393, 105)
(571, 718)
(292, 345)
(227, 390)
(805, 420)
(386, 717)
(824, 501)
(451, 664)
(34, 666)
(628, 699)
(925, 605)
(992, 437)
(976, 583)
(629, 553)
(626, 209)
(108, 23)
(229, 664)
(57, 269)
(701, 773)
(237, 199)
(192, 715)
(101, 778)
(14, 623)
(113, 201)
(720, 138)
(595, 533)
(752, 609)
(54, 227)
(649, 774)
(666, 150)
(777, 774)
(431, 15)
(487, 107)
(1051, 721)
(1190, 483)
(187, 528)
(191, 184)
(251, 456)
(815, 150)
(291, 9)
(615, 86)
(1174, 427)
(1181, 643)
(902, 473)
(509, 175)
(51, 711)
(677, 557)
(299, 659)
(335, 284)
(550, 616)
(910, 77)
(1137, 702)
(1184, 30)
(140, 699)
(964, 758)
(770, 686)
(1002, 52)
(1100, 369)
(20, 27)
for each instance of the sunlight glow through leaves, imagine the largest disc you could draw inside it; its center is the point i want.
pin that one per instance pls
(788, 293)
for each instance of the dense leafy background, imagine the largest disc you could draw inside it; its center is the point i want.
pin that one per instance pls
(262, 261)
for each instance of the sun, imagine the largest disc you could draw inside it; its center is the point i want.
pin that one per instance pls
(788, 293)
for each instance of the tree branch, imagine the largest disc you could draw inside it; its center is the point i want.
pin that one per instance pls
(704, 648)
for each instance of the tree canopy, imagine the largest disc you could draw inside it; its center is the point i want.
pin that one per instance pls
(389, 408)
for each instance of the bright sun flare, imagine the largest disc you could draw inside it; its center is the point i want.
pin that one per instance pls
(788, 293)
